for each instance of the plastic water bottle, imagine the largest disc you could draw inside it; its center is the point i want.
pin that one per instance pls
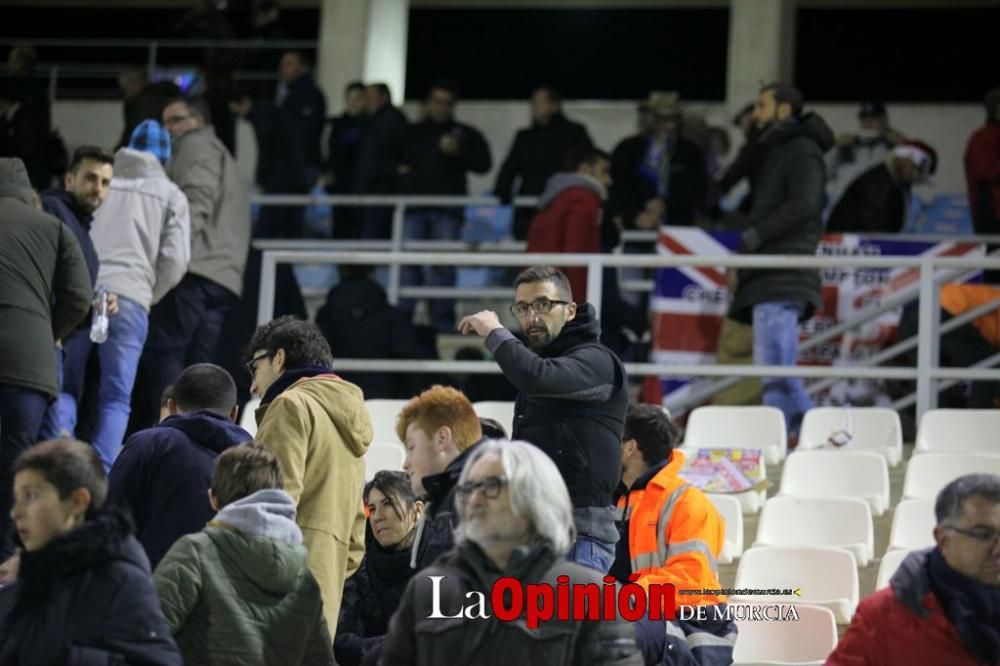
(99, 323)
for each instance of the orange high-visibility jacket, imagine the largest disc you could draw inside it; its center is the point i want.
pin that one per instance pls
(675, 534)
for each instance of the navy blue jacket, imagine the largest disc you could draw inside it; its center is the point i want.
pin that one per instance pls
(163, 474)
(62, 205)
(85, 598)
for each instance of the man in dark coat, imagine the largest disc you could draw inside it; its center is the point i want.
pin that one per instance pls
(342, 157)
(45, 292)
(358, 322)
(438, 153)
(573, 395)
(87, 184)
(163, 473)
(288, 138)
(525, 541)
(377, 168)
(659, 178)
(786, 218)
(538, 152)
(876, 201)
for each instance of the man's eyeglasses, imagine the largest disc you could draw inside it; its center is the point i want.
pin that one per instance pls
(490, 487)
(255, 361)
(983, 535)
(541, 306)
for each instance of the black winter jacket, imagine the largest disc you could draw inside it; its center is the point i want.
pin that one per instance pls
(434, 172)
(436, 531)
(415, 638)
(379, 154)
(571, 404)
(288, 136)
(86, 599)
(537, 153)
(786, 217)
(874, 203)
(163, 474)
(630, 191)
(371, 596)
(358, 322)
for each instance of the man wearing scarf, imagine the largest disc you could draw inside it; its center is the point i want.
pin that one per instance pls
(319, 429)
(943, 604)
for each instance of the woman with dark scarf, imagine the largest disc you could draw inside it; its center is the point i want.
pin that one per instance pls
(373, 593)
(84, 594)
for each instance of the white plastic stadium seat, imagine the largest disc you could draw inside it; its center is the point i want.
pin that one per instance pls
(842, 522)
(383, 414)
(717, 427)
(927, 475)
(860, 474)
(959, 430)
(912, 524)
(874, 429)
(806, 642)
(732, 512)
(384, 456)
(824, 576)
(498, 410)
(890, 562)
(248, 420)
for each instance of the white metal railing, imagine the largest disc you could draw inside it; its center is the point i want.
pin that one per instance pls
(927, 372)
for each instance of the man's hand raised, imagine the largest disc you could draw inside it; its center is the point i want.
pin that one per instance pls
(482, 323)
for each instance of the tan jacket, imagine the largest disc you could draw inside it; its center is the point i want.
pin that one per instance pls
(319, 429)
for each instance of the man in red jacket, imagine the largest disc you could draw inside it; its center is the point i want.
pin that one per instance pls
(943, 604)
(982, 169)
(569, 215)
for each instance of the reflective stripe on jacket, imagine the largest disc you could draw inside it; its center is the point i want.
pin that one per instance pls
(675, 535)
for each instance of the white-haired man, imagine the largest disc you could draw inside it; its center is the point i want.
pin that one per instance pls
(516, 521)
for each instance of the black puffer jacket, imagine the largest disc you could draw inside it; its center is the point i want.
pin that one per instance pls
(571, 404)
(87, 598)
(786, 217)
(415, 638)
(436, 531)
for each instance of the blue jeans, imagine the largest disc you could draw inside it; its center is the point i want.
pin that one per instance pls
(119, 356)
(21, 413)
(776, 342)
(431, 225)
(71, 371)
(593, 553)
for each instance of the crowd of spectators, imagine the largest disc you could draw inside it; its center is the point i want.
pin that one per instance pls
(175, 536)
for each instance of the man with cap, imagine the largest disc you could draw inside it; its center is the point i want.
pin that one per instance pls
(659, 177)
(876, 201)
(858, 152)
(143, 240)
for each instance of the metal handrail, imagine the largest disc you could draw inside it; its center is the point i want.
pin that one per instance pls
(927, 372)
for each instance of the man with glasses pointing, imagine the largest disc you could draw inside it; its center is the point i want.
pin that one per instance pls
(572, 398)
(943, 603)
